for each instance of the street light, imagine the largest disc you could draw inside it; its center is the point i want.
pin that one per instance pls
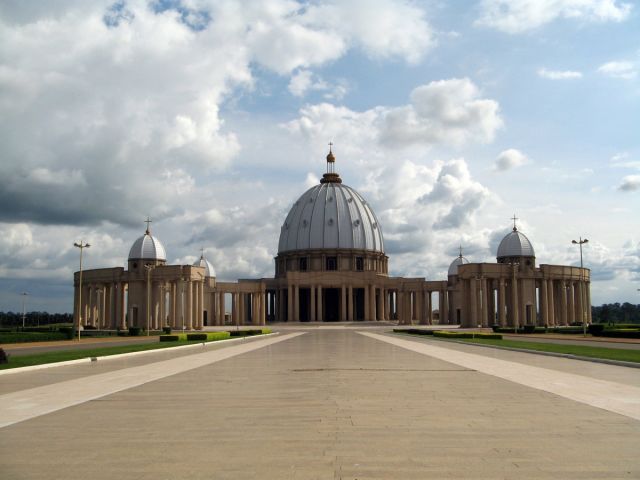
(582, 242)
(81, 246)
(24, 307)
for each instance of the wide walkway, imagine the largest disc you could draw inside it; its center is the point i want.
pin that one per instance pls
(326, 404)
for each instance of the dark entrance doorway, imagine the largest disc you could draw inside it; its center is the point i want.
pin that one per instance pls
(304, 297)
(331, 306)
(204, 318)
(358, 304)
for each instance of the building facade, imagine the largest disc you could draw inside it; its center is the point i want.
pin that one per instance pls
(331, 266)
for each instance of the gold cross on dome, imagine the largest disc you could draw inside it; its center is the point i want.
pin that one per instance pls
(147, 221)
(460, 251)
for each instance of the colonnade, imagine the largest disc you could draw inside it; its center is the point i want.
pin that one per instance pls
(415, 305)
(315, 303)
(246, 308)
(514, 302)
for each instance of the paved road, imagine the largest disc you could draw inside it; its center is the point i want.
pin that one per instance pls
(327, 404)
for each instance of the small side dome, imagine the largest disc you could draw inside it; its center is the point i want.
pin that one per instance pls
(515, 244)
(453, 268)
(147, 247)
(208, 268)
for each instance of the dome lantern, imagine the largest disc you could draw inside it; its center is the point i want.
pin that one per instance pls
(515, 247)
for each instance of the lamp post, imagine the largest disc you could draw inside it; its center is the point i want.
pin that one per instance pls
(149, 268)
(24, 307)
(580, 243)
(81, 246)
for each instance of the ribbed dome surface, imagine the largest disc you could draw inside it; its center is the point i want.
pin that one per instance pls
(331, 215)
(453, 268)
(147, 248)
(515, 244)
(208, 268)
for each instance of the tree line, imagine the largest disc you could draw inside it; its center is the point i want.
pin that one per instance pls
(33, 319)
(616, 313)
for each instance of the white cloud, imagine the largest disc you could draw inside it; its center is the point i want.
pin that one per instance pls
(304, 81)
(442, 112)
(558, 74)
(619, 69)
(622, 160)
(381, 28)
(518, 16)
(630, 183)
(508, 159)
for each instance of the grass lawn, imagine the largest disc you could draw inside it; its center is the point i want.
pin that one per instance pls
(620, 354)
(64, 355)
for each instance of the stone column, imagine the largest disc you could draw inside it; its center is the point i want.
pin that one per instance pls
(372, 302)
(501, 306)
(571, 302)
(312, 291)
(580, 312)
(550, 303)
(367, 313)
(263, 308)
(221, 309)
(587, 288)
(514, 320)
(290, 303)
(380, 308)
(563, 302)
(473, 302)
(428, 304)
(544, 302)
(320, 304)
(200, 304)
(189, 307)
(343, 303)
(350, 304)
(296, 303)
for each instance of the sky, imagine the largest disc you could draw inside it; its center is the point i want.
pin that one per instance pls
(212, 117)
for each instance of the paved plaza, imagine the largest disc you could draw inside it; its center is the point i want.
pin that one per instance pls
(323, 403)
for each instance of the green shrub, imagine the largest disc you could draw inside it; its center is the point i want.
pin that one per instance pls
(528, 328)
(495, 327)
(196, 336)
(621, 333)
(569, 330)
(166, 330)
(214, 336)
(266, 331)
(447, 334)
(624, 325)
(135, 331)
(21, 337)
(67, 331)
(169, 338)
(238, 333)
(596, 329)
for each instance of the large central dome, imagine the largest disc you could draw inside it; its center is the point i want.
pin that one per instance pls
(331, 216)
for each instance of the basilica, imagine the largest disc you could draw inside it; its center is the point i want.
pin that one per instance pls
(331, 266)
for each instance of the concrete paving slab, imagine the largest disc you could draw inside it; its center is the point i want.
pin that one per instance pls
(330, 404)
(612, 396)
(26, 404)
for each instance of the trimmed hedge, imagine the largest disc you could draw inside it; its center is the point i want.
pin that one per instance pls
(596, 329)
(166, 330)
(413, 331)
(447, 334)
(214, 336)
(21, 337)
(134, 331)
(245, 333)
(169, 338)
(196, 336)
(266, 331)
(621, 333)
